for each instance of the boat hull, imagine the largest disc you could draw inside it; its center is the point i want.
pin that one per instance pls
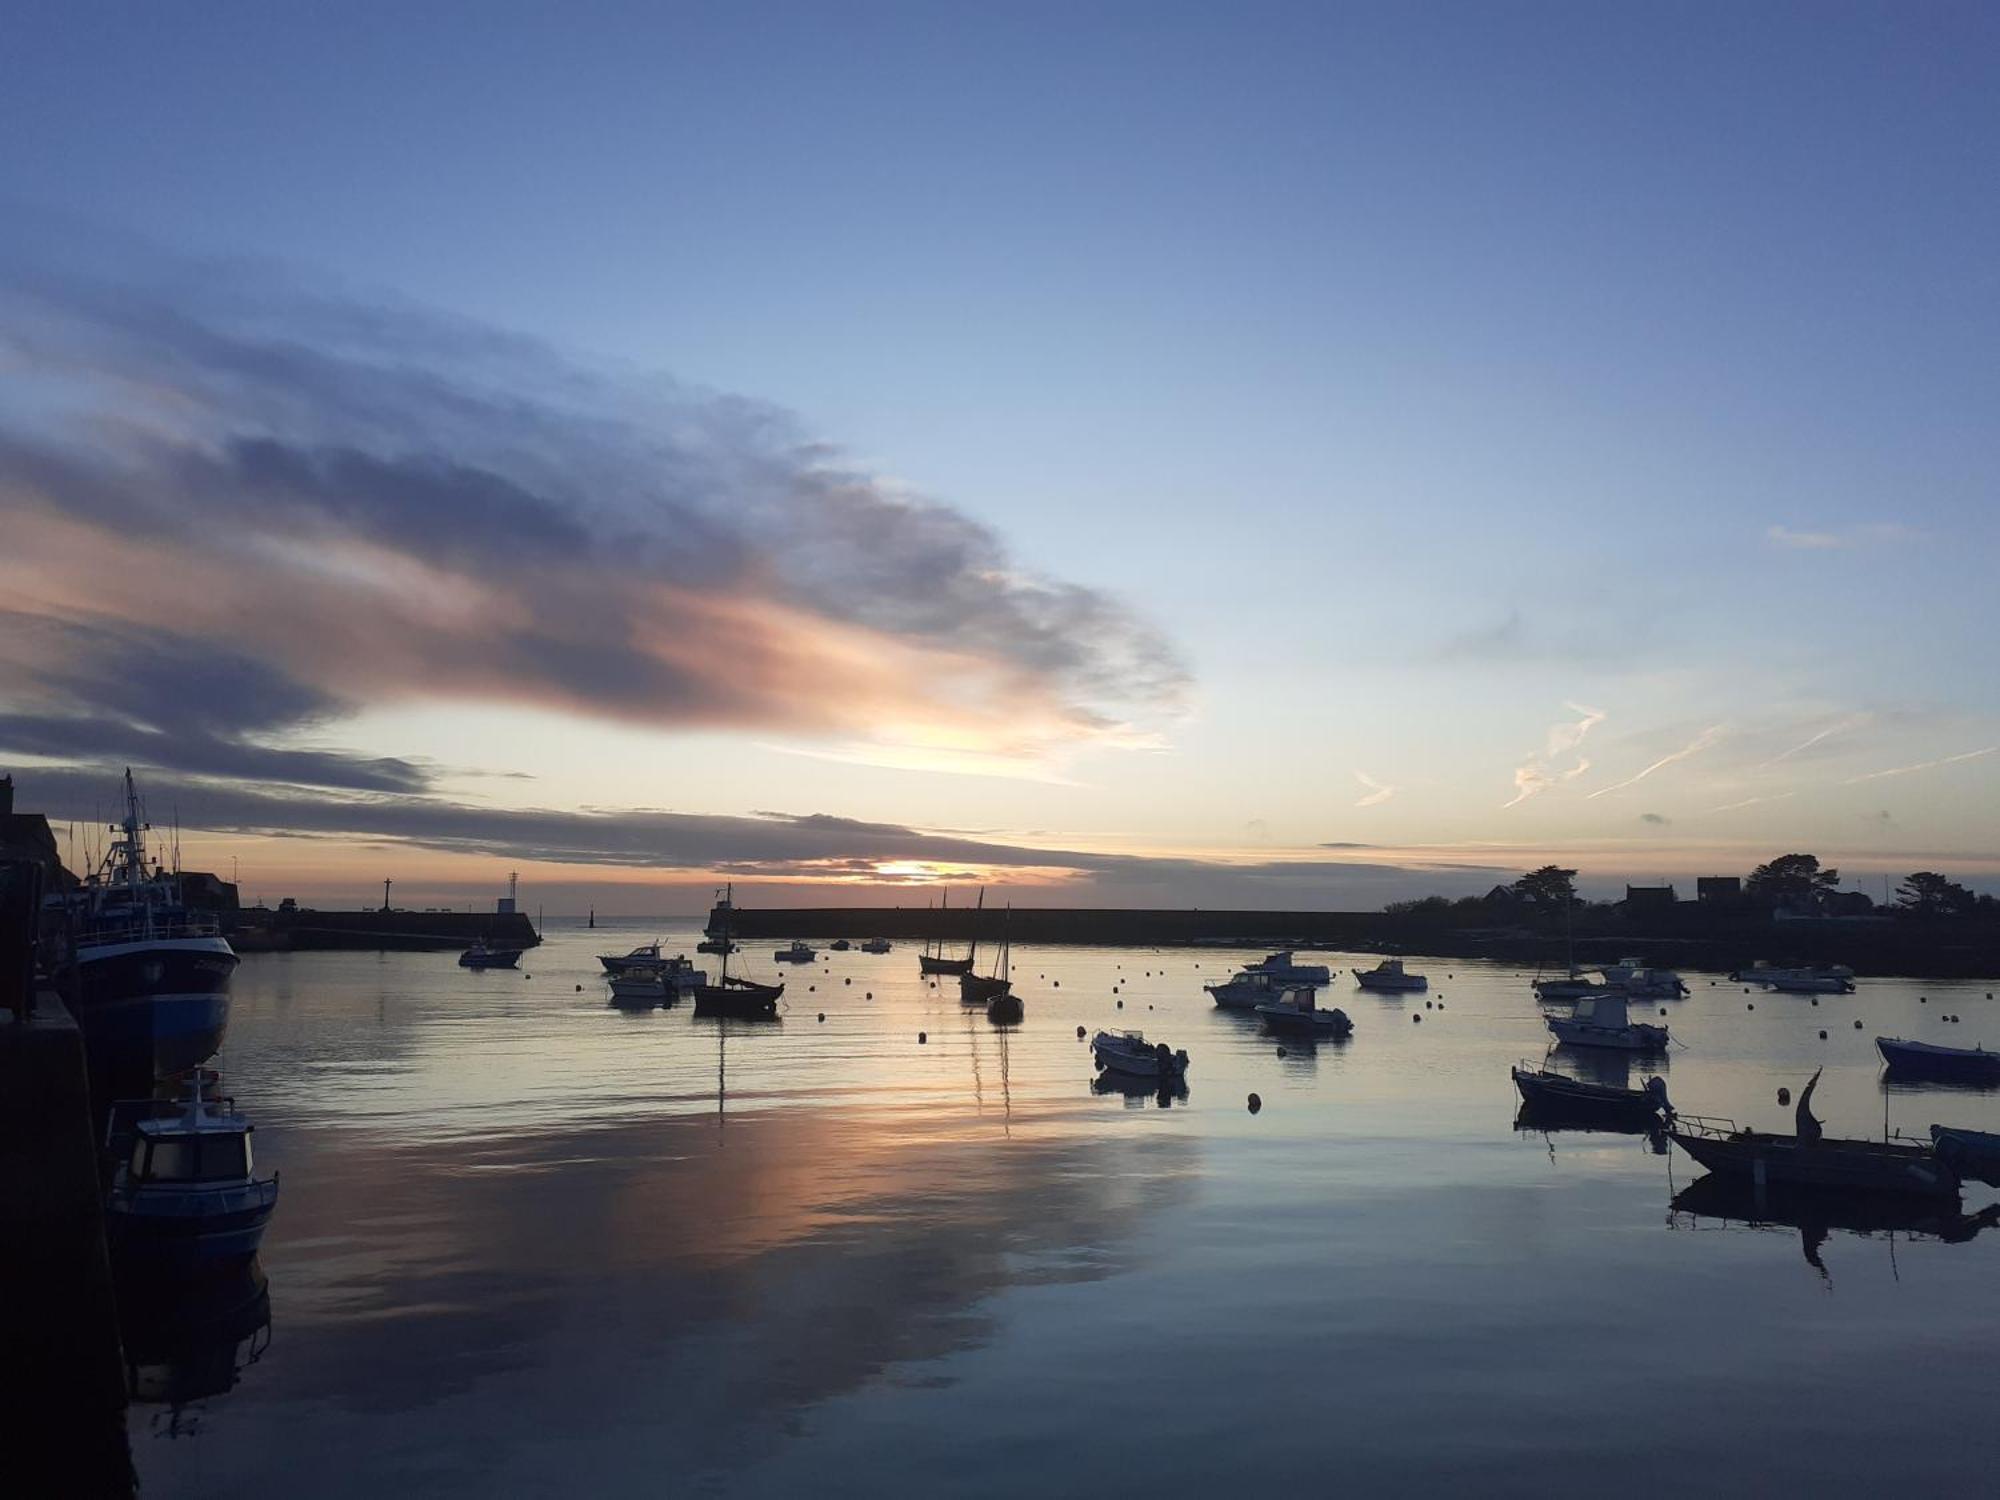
(1641, 1039)
(1292, 1021)
(978, 989)
(1947, 1064)
(1556, 1098)
(1854, 1166)
(1970, 1153)
(190, 1231)
(746, 1004)
(507, 960)
(929, 965)
(162, 1002)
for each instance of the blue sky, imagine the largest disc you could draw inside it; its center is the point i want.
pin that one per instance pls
(1413, 371)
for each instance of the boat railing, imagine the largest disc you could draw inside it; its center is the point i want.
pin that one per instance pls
(189, 1202)
(1710, 1127)
(96, 934)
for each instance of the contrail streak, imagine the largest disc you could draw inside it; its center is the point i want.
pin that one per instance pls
(1854, 721)
(1533, 775)
(1753, 801)
(1922, 765)
(1377, 792)
(1693, 747)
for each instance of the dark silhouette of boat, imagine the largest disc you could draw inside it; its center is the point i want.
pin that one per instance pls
(479, 956)
(984, 989)
(1973, 1065)
(1970, 1153)
(731, 995)
(1812, 1160)
(933, 961)
(1552, 1096)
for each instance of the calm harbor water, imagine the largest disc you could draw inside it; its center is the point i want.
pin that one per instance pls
(530, 1244)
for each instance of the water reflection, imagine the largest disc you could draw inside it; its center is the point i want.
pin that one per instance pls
(1733, 1203)
(1137, 1092)
(1553, 1119)
(188, 1340)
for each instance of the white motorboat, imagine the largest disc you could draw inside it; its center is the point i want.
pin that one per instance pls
(1129, 1052)
(645, 956)
(1650, 984)
(1279, 966)
(1601, 1020)
(797, 953)
(1298, 1016)
(1833, 979)
(1251, 988)
(639, 986)
(185, 1194)
(1390, 977)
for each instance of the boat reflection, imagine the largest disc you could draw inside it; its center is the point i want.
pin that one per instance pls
(1137, 1091)
(1552, 1120)
(1816, 1213)
(188, 1340)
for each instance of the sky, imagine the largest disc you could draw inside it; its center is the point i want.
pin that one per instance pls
(1297, 456)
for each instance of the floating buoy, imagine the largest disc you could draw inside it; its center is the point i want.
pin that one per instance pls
(1281, 1052)
(810, 988)
(1663, 1010)
(1255, 1104)
(1857, 1025)
(869, 996)
(1440, 1005)
(1815, 999)
(1055, 982)
(1149, 1007)
(1920, 1000)
(579, 989)
(1751, 1006)
(1784, 1096)
(922, 1037)
(1415, 1018)
(1822, 1036)
(1079, 1033)
(847, 981)
(1121, 1004)
(527, 976)
(1427, 1005)
(1746, 989)
(822, 1015)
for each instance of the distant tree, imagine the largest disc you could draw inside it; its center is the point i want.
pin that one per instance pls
(1551, 887)
(1929, 894)
(1793, 880)
(1423, 906)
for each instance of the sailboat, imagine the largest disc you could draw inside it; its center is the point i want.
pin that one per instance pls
(981, 989)
(932, 959)
(732, 995)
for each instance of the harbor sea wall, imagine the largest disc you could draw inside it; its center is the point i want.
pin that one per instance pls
(258, 930)
(1683, 936)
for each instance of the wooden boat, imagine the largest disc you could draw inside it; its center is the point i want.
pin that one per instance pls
(1557, 1095)
(730, 995)
(932, 960)
(1970, 1153)
(1389, 977)
(1298, 1016)
(479, 956)
(1928, 1060)
(1601, 1020)
(1129, 1052)
(1811, 1160)
(983, 989)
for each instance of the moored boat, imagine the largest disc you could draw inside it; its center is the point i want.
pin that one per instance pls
(1601, 1020)
(1973, 1065)
(479, 956)
(184, 1194)
(1298, 1016)
(732, 995)
(1558, 1095)
(1805, 979)
(984, 989)
(1970, 1153)
(933, 960)
(645, 956)
(1280, 967)
(1249, 989)
(639, 987)
(1811, 1159)
(1129, 1053)
(875, 945)
(795, 953)
(1389, 977)
(151, 975)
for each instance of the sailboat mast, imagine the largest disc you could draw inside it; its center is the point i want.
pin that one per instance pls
(972, 951)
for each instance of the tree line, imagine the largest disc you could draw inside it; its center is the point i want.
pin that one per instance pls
(1795, 883)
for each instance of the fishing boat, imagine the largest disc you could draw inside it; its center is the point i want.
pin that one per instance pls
(1279, 966)
(982, 989)
(1601, 1020)
(1557, 1095)
(639, 987)
(1970, 1153)
(1129, 1053)
(148, 976)
(875, 945)
(1810, 1159)
(933, 960)
(795, 953)
(1808, 979)
(479, 956)
(839, 945)
(1973, 1065)
(1298, 1016)
(715, 945)
(1251, 988)
(1389, 977)
(184, 1194)
(732, 995)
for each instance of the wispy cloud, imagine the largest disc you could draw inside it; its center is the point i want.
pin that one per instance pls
(1922, 765)
(1851, 722)
(1847, 537)
(1658, 819)
(1752, 801)
(1378, 792)
(1694, 746)
(1537, 774)
(349, 504)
